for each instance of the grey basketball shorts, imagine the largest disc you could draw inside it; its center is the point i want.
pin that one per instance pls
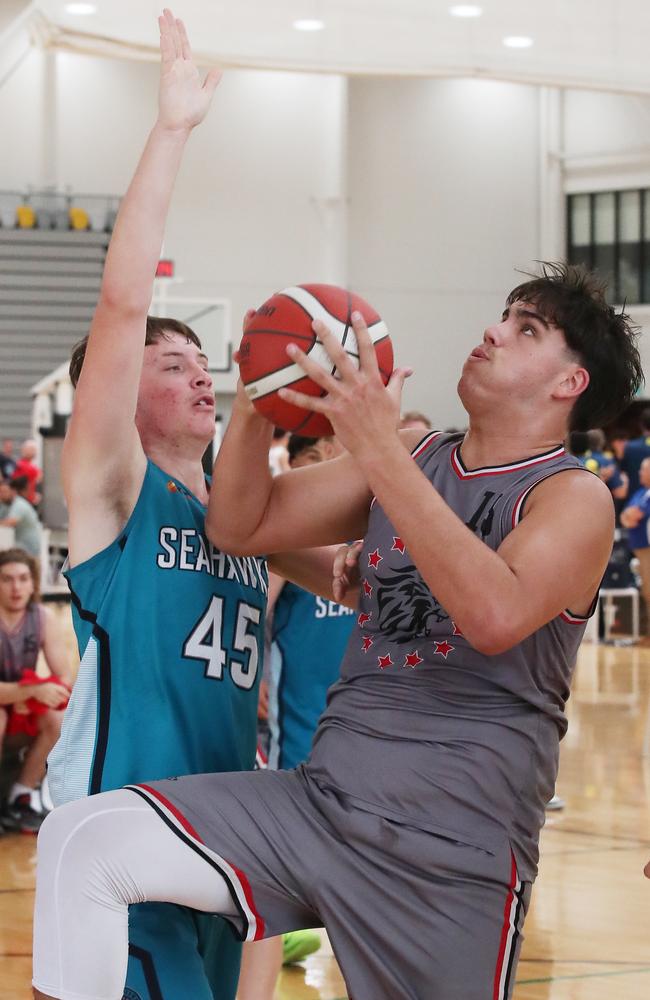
(410, 915)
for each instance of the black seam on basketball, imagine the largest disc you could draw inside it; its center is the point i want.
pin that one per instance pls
(281, 333)
(195, 847)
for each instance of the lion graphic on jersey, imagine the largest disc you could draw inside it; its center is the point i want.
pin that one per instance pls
(406, 605)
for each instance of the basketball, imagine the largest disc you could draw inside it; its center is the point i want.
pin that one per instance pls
(286, 318)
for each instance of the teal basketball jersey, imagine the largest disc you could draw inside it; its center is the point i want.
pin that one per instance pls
(309, 637)
(170, 634)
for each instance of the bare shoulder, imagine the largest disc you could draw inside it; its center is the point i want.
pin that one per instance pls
(574, 493)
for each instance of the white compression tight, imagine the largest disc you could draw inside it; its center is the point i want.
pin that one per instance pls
(95, 857)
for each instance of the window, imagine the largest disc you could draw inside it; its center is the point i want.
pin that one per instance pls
(609, 232)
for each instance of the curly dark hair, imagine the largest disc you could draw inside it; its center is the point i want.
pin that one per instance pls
(158, 328)
(605, 342)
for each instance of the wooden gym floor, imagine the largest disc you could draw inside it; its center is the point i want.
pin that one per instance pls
(588, 930)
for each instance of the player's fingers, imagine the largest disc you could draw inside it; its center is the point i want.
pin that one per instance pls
(186, 49)
(397, 380)
(173, 32)
(314, 403)
(212, 81)
(338, 567)
(316, 372)
(352, 555)
(335, 350)
(367, 357)
(166, 45)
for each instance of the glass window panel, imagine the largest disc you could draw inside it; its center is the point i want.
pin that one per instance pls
(629, 220)
(605, 218)
(646, 214)
(629, 273)
(581, 220)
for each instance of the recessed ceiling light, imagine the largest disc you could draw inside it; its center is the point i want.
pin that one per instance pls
(465, 10)
(308, 24)
(80, 8)
(518, 41)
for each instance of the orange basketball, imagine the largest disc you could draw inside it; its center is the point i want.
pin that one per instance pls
(285, 319)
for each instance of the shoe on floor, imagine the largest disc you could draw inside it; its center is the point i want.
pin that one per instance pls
(18, 816)
(555, 803)
(296, 945)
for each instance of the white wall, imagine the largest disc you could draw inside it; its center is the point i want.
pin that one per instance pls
(443, 208)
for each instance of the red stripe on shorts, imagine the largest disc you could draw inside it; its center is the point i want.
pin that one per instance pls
(187, 826)
(505, 930)
(243, 881)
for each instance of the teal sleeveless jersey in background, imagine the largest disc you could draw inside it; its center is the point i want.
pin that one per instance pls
(170, 634)
(309, 637)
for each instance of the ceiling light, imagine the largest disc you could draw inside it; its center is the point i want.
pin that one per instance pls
(518, 42)
(80, 8)
(309, 24)
(465, 10)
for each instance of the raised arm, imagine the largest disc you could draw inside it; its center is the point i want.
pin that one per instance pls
(102, 436)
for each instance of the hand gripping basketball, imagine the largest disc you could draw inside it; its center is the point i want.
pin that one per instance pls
(287, 318)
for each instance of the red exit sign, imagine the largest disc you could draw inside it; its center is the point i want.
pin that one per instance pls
(165, 269)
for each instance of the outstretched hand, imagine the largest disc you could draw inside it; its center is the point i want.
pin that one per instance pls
(183, 101)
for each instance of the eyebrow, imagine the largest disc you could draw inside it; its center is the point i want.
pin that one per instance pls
(181, 354)
(530, 314)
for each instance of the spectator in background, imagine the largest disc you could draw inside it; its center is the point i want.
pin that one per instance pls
(30, 706)
(278, 454)
(17, 513)
(635, 451)
(7, 460)
(416, 420)
(597, 459)
(634, 517)
(25, 466)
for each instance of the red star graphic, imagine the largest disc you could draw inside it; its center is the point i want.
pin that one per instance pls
(398, 545)
(374, 559)
(384, 661)
(367, 589)
(457, 631)
(443, 648)
(363, 619)
(367, 643)
(412, 659)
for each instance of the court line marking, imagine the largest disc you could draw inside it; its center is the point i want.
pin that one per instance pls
(580, 961)
(586, 975)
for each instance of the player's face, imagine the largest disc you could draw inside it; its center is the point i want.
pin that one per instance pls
(175, 397)
(310, 456)
(16, 587)
(523, 358)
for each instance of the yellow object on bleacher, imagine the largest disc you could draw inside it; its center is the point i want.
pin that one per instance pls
(25, 217)
(79, 218)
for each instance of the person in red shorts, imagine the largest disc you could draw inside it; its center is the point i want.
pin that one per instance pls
(31, 707)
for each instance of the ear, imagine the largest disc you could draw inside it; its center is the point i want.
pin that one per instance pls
(572, 385)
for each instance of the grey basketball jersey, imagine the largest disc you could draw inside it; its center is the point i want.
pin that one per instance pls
(19, 647)
(421, 727)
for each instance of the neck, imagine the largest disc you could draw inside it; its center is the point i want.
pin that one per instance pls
(11, 618)
(488, 445)
(186, 468)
